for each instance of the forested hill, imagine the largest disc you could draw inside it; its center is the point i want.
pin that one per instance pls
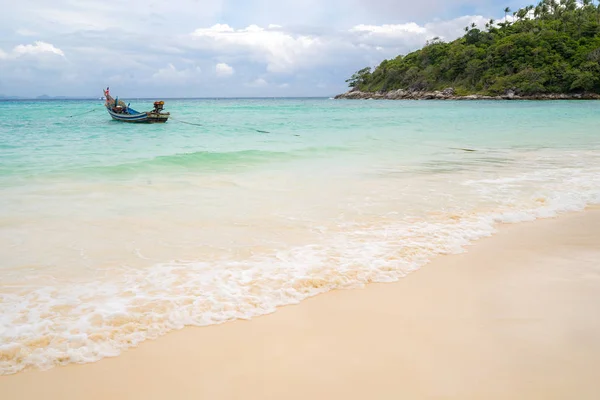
(553, 47)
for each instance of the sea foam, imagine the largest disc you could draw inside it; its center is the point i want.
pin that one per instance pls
(83, 321)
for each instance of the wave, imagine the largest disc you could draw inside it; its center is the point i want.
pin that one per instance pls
(105, 317)
(209, 160)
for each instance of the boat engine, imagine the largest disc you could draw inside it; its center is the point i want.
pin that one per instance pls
(158, 106)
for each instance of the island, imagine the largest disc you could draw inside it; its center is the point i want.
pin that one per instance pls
(549, 51)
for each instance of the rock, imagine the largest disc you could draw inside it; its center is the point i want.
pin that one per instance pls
(356, 94)
(392, 95)
(397, 94)
(450, 94)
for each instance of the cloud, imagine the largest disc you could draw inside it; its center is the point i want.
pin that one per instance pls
(162, 48)
(223, 69)
(37, 48)
(451, 29)
(170, 74)
(259, 82)
(281, 51)
(391, 30)
(412, 35)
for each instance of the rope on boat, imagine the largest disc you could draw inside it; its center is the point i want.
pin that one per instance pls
(191, 123)
(185, 122)
(76, 115)
(466, 149)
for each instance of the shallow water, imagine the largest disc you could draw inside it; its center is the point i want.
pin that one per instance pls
(112, 233)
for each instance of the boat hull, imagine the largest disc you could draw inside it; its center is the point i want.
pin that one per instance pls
(140, 118)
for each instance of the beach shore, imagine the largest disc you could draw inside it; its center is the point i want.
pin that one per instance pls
(515, 317)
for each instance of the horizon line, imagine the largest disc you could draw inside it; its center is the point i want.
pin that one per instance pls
(156, 97)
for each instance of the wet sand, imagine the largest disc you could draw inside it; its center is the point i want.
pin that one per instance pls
(516, 316)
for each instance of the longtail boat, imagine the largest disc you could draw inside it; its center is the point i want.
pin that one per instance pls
(120, 111)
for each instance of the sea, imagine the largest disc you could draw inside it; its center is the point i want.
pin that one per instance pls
(112, 233)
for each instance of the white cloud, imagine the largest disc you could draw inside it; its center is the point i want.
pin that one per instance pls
(451, 29)
(223, 69)
(391, 30)
(259, 82)
(406, 37)
(170, 74)
(286, 52)
(281, 51)
(162, 48)
(217, 28)
(37, 48)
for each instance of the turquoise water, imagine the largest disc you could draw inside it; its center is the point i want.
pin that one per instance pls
(113, 233)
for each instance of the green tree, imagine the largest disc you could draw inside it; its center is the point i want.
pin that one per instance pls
(507, 11)
(558, 51)
(359, 78)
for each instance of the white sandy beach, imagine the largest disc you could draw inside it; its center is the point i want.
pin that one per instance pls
(515, 317)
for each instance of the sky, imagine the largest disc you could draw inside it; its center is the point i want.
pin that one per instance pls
(216, 48)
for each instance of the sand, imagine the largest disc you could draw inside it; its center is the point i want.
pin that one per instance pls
(515, 317)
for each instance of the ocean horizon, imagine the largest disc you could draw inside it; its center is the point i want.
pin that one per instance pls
(90, 98)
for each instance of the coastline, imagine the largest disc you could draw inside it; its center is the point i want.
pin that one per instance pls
(450, 94)
(513, 317)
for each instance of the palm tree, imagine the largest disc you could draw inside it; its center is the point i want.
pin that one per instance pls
(553, 7)
(529, 9)
(506, 12)
(545, 10)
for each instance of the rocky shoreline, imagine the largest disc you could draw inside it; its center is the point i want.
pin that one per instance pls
(450, 94)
